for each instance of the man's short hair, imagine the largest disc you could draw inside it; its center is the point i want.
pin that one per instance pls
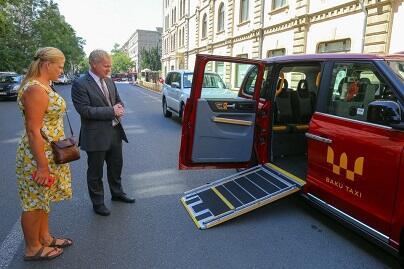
(97, 55)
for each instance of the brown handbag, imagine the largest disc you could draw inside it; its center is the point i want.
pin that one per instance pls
(65, 150)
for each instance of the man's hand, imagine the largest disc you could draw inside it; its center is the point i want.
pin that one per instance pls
(119, 110)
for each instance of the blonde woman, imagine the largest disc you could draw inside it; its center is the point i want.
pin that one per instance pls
(43, 116)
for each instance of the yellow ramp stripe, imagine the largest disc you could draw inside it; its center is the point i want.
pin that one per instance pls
(295, 178)
(223, 198)
(190, 213)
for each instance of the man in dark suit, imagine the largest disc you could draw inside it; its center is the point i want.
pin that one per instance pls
(96, 99)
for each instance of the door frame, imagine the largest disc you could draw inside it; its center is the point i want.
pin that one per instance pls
(188, 125)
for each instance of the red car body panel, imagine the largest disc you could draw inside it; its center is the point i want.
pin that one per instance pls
(371, 195)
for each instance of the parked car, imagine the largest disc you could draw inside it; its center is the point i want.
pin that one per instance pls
(8, 73)
(333, 122)
(9, 85)
(63, 79)
(177, 87)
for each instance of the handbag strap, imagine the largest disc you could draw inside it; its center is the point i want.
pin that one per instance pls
(67, 115)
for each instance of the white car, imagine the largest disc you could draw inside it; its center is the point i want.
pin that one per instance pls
(63, 79)
(177, 88)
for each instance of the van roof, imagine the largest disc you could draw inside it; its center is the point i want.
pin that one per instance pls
(336, 56)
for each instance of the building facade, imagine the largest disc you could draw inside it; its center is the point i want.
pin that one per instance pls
(142, 39)
(258, 29)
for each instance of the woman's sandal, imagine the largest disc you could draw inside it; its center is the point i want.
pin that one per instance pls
(46, 257)
(67, 242)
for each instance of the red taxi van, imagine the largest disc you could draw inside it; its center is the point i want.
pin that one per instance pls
(333, 120)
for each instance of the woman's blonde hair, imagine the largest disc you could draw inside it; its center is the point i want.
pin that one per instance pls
(47, 54)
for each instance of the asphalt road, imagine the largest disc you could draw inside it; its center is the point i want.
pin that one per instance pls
(156, 232)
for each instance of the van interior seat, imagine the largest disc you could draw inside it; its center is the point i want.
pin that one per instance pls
(283, 111)
(303, 106)
(363, 84)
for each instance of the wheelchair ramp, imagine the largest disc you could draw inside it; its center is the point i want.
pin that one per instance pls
(227, 198)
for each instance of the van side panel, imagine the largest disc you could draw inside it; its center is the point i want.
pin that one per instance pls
(357, 170)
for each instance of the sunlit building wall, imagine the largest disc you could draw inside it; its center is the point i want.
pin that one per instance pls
(262, 28)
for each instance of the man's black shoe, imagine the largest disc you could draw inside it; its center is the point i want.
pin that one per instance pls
(123, 198)
(101, 210)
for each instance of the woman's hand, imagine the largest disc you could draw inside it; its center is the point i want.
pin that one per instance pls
(41, 176)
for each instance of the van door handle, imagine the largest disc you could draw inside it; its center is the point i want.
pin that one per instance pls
(232, 121)
(318, 138)
(232, 106)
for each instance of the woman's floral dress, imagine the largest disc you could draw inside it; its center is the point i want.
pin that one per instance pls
(34, 196)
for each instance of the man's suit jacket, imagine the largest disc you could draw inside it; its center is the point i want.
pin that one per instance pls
(96, 130)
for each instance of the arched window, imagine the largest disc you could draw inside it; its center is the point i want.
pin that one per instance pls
(204, 26)
(243, 10)
(220, 18)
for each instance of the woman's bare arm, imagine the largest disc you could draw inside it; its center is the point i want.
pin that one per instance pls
(35, 101)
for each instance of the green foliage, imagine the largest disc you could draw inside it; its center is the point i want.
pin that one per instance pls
(121, 62)
(115, 49)
(26, 25)
(150, 59)
(82, 66)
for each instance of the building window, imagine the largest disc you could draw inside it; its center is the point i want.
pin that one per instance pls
(204, 26)
(343, 45)
(220, 18)
(179, 38)
(219, 69)
(183, 8)
(278, 4)
(183, 36)
(275, 52)
(243, 10)
(241, 71)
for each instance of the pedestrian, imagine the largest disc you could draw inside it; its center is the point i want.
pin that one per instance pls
(43, 111)
(97, 100)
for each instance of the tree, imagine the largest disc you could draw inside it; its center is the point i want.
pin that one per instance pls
(150, 59)
(82, 66)
(61, 36)
(26, 25)
(121, 62)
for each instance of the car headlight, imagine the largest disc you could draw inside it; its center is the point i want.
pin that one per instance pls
(15, 88)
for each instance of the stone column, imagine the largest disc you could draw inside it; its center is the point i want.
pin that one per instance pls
(301, 27)
(378, 26)
(229, 37)
(256, 33)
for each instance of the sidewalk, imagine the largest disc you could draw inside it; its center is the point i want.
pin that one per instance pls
(154, 87)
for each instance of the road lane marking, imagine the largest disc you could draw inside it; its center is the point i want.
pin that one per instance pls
(10, 245)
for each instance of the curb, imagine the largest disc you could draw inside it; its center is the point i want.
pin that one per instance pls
(143, 87)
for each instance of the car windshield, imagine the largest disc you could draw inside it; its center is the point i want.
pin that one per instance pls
(210, 80)
(398, 68)
(10, 79)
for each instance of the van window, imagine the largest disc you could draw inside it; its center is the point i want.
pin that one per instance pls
(249, 85)
(353, 87)
(398, 68)
(250, 81)
(168, 79)
(176, 77)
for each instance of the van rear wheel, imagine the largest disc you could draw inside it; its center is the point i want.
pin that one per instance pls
(166, 113)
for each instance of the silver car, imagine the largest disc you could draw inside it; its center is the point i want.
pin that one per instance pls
(177, 88)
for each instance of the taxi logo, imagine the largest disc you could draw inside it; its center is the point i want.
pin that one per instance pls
(343, 164)
(221, 105)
